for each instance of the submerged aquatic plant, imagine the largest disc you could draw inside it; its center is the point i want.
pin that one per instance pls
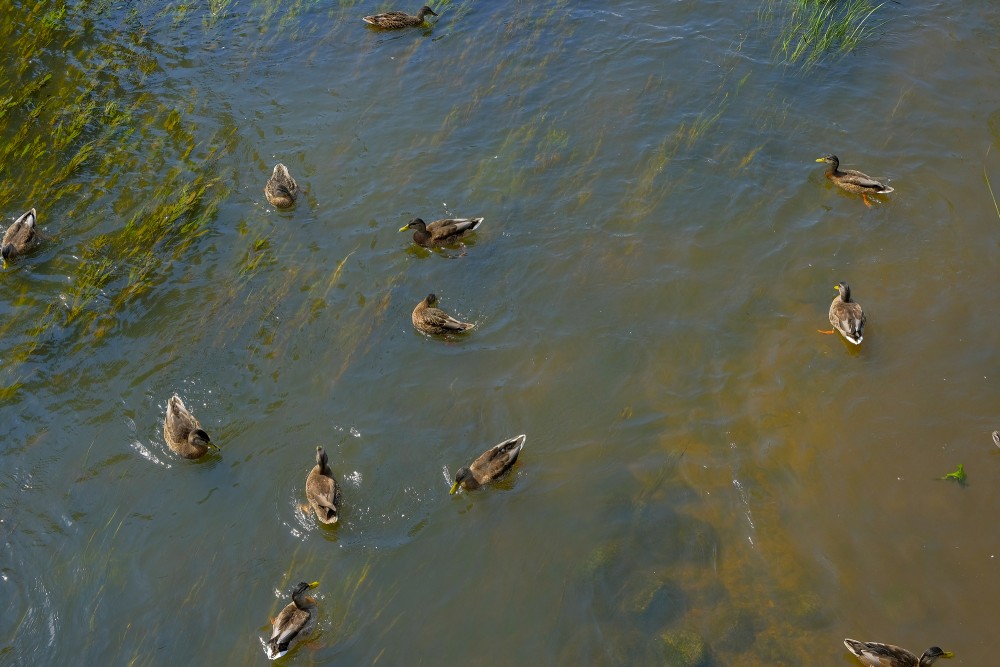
(812, 30)
(135, 177)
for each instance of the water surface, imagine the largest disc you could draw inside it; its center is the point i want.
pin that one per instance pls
(706, 479)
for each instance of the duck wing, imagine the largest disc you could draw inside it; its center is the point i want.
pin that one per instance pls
(863, 181)
(874, 654)
(21, 234)
(323, 494)
(287, 627)
(848, 318)
(179, 422)
(439, 319)
(497, 459)
(441, 230)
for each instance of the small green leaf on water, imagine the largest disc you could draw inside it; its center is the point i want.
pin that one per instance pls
(958, 475)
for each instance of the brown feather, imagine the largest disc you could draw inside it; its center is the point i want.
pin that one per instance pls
(874, 654)
(853, 181)
(322, 490)
(397, 20)
(441, 232)
(847, 316)
(20, 237)
(490, 465)
(183, 431)
(281, 189)
(431, 320)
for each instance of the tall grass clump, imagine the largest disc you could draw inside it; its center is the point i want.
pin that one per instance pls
(812, 30)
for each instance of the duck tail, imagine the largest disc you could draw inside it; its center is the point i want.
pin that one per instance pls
(854, 646)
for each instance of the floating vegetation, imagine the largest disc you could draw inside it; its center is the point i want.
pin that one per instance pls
(812, 30)
(958, 475)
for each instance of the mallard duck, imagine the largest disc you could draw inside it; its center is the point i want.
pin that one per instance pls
(887, 655)
(183, 432)
(322, 489)
(294, 622)
(431, 320)
(281, 189)
(494, 462)
(853, 181)
(440, 232)
(20, 237)
(846, 316)
(396, 20)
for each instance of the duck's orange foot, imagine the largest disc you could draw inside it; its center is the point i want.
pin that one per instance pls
(304, 508)
(867, 203)
(831, 331)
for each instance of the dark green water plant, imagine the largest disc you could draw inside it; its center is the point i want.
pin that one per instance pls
(812, 30)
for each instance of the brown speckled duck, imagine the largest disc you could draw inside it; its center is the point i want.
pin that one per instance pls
(294, 622)
(494, 462)
(441, 232)
(20, 237)
(183, 432)
(322, 489)
(431, 320)
(874, 654)
(397, 20)
(853, 181)
(846, 316)
(281, 189)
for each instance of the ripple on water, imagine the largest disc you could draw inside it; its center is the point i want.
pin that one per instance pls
(30, 621)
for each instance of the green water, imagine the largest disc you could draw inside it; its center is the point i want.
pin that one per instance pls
(706, 480)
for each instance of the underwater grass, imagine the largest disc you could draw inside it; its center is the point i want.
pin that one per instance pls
(989, 186)
(84, 140)
(812, 30)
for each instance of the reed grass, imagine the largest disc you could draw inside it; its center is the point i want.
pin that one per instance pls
(814, 30)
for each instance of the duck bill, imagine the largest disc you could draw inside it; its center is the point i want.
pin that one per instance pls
(454, 489)
(821, 159)
(947, 654)
(404, 227)
(214, 446)
(314, 584)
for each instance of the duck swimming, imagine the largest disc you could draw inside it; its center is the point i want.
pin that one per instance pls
(20, 237)
(281, 189)
(294, 622)
(874, 654)
(322, 489)
(846, 316)
(441, 232)
(431, 320)
(397, 20)
(183, 432)
(490, 465)
(853, 181)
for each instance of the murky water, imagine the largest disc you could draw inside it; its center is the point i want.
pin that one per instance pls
(706, 479)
